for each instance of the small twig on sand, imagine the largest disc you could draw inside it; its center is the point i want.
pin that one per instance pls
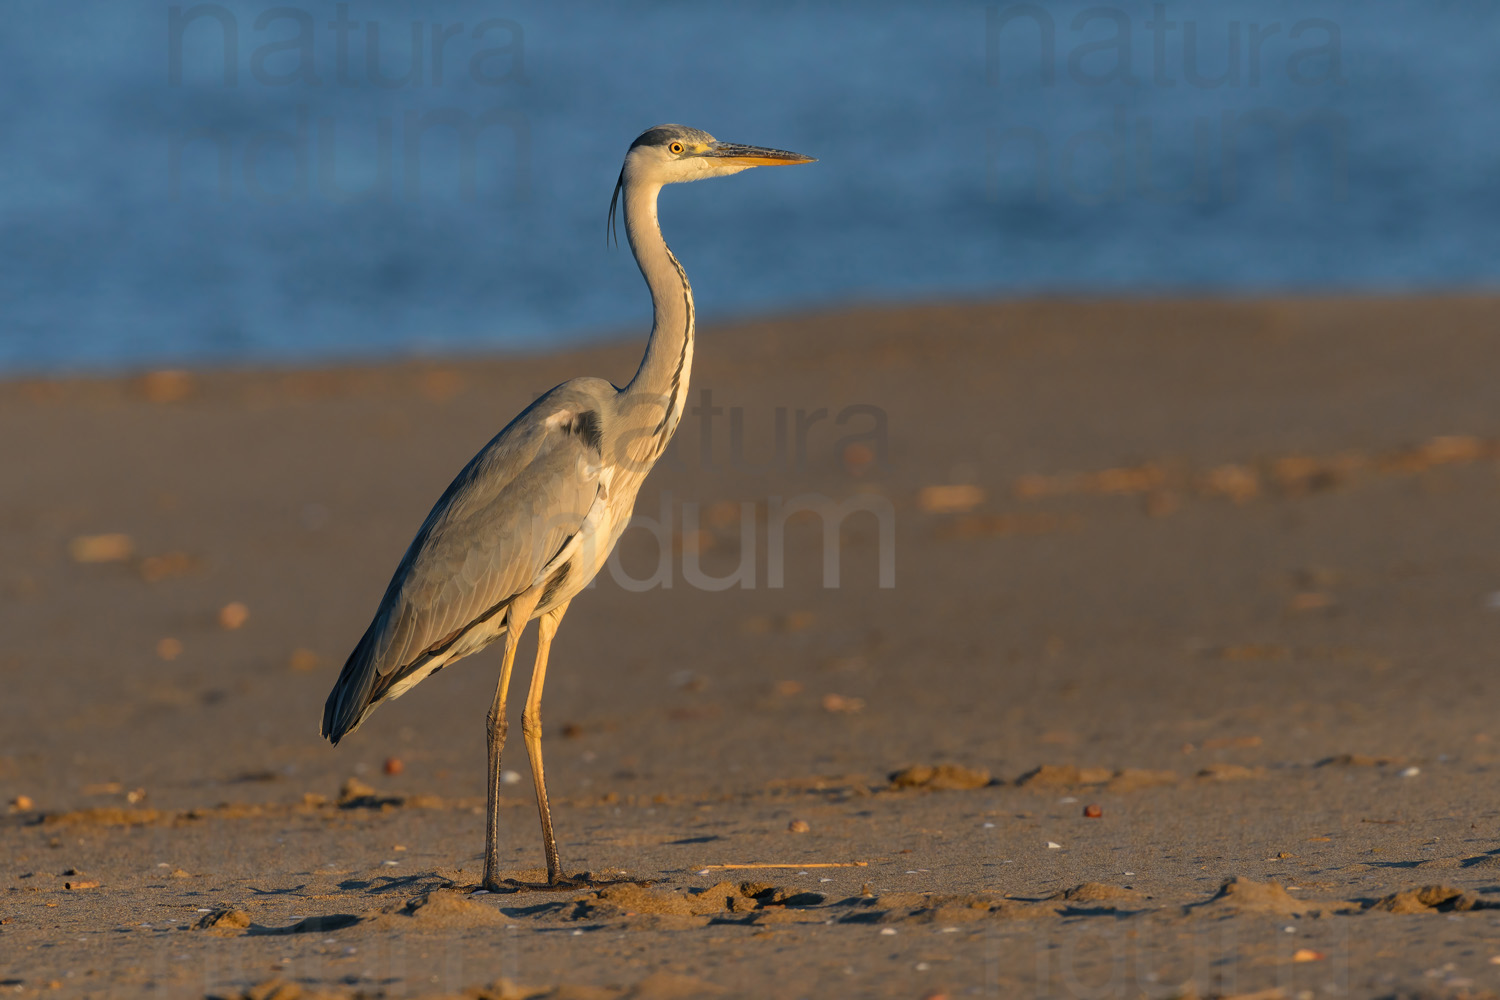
(815, 864)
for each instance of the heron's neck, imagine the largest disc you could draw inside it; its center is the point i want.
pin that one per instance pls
(659, 389)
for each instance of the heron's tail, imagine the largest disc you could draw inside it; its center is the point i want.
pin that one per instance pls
(352, 696)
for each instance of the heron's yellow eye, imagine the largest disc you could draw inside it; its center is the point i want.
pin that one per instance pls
(676, 147)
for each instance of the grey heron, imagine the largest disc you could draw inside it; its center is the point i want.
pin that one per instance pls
(533, 517)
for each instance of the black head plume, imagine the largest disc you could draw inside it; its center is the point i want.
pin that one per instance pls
(609, 226)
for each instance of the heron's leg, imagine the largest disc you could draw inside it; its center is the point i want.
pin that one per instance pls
(517, 615)
(531, 729)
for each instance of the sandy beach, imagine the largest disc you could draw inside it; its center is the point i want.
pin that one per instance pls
(1185, 686)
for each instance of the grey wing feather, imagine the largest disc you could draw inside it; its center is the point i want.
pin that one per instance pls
(494, 529)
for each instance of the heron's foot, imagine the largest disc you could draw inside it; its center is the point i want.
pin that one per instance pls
(517, 885)
(558, 882)
(492, 882)
(589, 880)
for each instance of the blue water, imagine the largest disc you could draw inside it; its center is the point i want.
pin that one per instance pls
(951, 163)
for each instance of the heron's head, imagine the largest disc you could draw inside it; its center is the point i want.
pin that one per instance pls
(671, 154)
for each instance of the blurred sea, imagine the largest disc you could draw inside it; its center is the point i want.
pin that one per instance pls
(252, 183)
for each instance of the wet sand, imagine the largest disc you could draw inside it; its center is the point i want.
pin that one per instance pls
(1225, 574)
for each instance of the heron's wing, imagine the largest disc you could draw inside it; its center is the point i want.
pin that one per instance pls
(487, 545)
(490, 535)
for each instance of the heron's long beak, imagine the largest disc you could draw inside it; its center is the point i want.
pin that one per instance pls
(755, 156)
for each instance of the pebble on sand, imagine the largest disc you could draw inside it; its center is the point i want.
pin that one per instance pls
(167, 386)
(798, 826)
(170, 564)
(1240, 483)
(723, 513)
(233, 615)
(838, 703)
(942, 776)
(224, 921)
(440, 384)
(949, 499)
(169, 648)
(1053, 845)
(1056, 775)
(1092, 811)
(353, 788)
(1311, 600)
(304, 660)
(858, 458)
(393, 766)
(22, 803)
(112, 547)
(1228, 772)
(1307, 955)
